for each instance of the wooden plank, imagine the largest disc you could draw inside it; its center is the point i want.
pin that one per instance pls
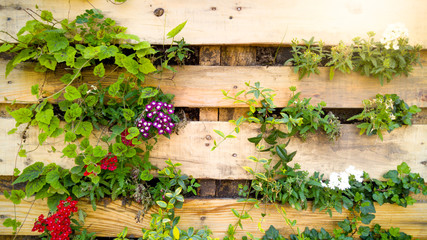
(200, 86)
(209, 56)
(108, 220)
(237, 22)
(192, 148)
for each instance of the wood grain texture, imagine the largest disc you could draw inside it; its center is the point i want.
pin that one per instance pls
(192, 148)
(241, 22)
(108, 220)
(200, 86)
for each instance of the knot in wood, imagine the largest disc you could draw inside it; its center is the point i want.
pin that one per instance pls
(239, 8)
(208, 137)
(234, 155)
(159, 12)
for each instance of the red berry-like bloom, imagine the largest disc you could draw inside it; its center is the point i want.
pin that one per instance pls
(127, 142)
(58, 224)
(109, 162)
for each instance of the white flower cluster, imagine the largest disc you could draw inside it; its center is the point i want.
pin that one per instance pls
(392, 35)
(341, 180)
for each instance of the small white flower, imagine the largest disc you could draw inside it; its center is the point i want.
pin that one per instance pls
(387, 46)
(89, 91)
(395, 47)
(93, 87)
(358, 174)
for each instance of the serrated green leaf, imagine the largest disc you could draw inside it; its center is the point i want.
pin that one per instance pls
(34, 186)
(30, 173)
(131, 65)
(70, 151)
(45, 116)
(22, 115)
(99, 70)
(107, 52)
(70, 137)
(48, 61)
(128, 114)
(146, 66)
(71, 93)
(84, 128)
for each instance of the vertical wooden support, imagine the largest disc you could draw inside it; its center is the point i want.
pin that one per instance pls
(209, 56)
(236, 56)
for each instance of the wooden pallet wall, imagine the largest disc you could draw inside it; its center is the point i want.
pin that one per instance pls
(218, 27)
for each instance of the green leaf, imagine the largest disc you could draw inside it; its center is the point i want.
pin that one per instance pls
(5, 47)
(34, 186)
(52, 176)
(73, 112)
(99, 70)
(261, 176)
(46, 15)
(53, 201)
(22, 56)
(71, 93)
(30, 173)
(379, 197)
(70, 151)
(22, 115)
(162, 204)
(91, 52)
(175, 233)
(127, 36)
(176, 30)
(142, 45)
(12, 131)
(235, 213)
(35, 90)
(15, 196)
(91, 100)
(48, 61)
(56, 42)
(84, 128)
(146, 66)
(219, 133)
(128, 114)
(107, 52)
(146, 176)
(45, 116)
(99, 152)
(131, 65)
(42, 137)
(403, 168)
(119, 149)
(367, 218)
(395, 232)
(70, 137)
(147, 92)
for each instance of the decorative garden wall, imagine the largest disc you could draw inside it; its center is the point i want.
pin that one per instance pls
(231, 43)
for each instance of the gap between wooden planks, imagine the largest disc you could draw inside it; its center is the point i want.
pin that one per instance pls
(240, 22)
(110, 219)
(192, 145)
(200, 86)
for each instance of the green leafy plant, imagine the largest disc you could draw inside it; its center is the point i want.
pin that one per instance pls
(391, 57)
(340, 58)
(385, 112)
(307, 57)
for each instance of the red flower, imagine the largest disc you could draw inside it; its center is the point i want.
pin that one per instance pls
(127, 142)
(109, 162)
(58, 224)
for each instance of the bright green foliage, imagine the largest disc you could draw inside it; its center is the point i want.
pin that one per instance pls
(340, 58)
(306, 58)
(385, 112)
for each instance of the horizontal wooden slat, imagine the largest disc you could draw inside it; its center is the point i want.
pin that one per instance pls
(192, 145)
(108, 220)
(200, 86)
(237, 22)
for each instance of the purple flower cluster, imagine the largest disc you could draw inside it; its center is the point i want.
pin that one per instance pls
(157, 116)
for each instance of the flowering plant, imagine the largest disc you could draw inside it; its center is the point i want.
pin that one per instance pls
(391, 56)
(57, 226)
(385, 112)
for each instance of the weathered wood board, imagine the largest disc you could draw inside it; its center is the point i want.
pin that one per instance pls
(108, 220)
(200, 86)
(240, 22)
(192, 145)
